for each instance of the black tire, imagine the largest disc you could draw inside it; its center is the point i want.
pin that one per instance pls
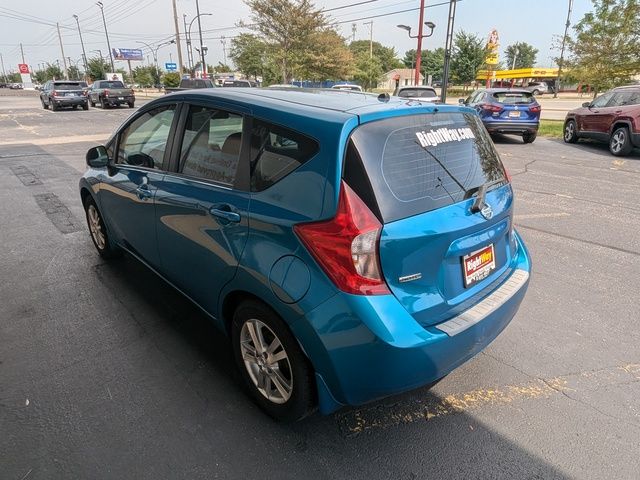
(620, 142)
(294, 370)
(44, 105)
(92, 103)
(131, 104)
(54, 107)
(536, 92)
(529, 137)
(105, 248)
(85, 106)
(103, 105)
(570, 134)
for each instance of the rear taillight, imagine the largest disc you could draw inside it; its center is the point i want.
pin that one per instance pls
(507, 174)
(106, 91)
(346, 247)
(490, 107)
(54, 93)
(535, 108)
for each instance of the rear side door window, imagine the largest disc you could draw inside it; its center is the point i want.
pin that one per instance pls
(276, 152)
(144, 141)
(211, 145)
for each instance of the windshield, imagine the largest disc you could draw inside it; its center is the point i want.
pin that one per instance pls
(413, 164)
(112, 84)
(417, 93)
(514, 98)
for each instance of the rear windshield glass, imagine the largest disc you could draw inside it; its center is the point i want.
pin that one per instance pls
(404, 166)
(514, 98)
(67, 86)
(111, 84)
(417, 93)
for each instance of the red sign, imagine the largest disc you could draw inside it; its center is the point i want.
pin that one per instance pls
(23, 67)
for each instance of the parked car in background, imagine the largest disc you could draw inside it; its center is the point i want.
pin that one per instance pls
(423, 93)
(16, 86)
(538, 88)
(348, 87)
(283, 85)
(240, 83)
(110, 93)
(190, 84)
(351, 246)
(613, 117)
(509, 111)
(57, 94)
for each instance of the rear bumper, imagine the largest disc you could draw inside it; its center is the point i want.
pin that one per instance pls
(68, 101)
(511, 127)
(119, 100)
(370, 347)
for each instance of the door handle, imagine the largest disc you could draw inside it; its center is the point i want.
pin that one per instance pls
(227, 215)
(143, 192)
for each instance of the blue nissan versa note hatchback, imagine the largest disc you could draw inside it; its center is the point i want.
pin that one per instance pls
(351, 246)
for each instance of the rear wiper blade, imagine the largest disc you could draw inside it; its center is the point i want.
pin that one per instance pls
(451, 175)
(479, 202)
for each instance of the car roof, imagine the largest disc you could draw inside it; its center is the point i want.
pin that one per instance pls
(509, 90)
(627, 87)
(426, 87)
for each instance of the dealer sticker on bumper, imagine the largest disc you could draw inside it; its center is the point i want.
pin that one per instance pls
(478, 265)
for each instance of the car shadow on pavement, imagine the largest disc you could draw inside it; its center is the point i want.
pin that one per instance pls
(393, 438)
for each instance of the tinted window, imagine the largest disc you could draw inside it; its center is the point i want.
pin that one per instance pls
(602, 100)
(417, 92)
(625, 97)
(67, 86)
(144, 141)
(513, 98)
(419, 163)
(211, 144)
(275, 152)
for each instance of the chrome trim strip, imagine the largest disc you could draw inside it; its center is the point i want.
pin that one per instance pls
(487, 306)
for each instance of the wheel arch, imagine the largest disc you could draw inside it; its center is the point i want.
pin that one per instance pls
(621, 123)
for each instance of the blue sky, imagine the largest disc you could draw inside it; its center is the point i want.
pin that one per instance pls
(151, 21)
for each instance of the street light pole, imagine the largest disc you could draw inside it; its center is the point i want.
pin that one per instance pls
(448, 46)
(419, 50)
(420, 36)
(197, 17)
(155, 53)
(204, 64)
(84, 55)
(188, 41)
(104, 22)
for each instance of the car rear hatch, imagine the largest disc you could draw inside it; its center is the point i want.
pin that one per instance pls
(515, 106)
(444, 201)
(68, 89)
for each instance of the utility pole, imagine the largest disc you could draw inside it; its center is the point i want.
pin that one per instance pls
(419, 50)
(447, 51)
(354, 28)
(175, 21)
(204, 63)
(564, 40)
(64, 60)
(4, 74)
(84, 54)
(188, 40)
(22, 50)
(515, 56)
(104, 22)
(223, 41)
(370, 24)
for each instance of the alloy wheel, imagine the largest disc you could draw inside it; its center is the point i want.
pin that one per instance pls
(617, 141)
(569, 131)
(95, 227)
(266, 361)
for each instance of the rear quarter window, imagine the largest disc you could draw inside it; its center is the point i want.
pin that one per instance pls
(409, 165)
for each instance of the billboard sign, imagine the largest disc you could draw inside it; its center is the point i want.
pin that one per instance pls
(23, 68)
(127, 54)
(170, 67)
(113, 76)
(492, 48)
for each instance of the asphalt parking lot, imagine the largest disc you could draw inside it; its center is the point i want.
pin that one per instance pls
(106, 372)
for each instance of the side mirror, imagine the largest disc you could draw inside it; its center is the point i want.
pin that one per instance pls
(97, 157)
(461, 101)
(586, 104)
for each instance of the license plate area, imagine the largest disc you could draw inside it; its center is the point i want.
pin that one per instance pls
(120, 98)
(514, 114)
(478, 265)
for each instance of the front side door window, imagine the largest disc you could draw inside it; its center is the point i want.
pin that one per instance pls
(144, 141)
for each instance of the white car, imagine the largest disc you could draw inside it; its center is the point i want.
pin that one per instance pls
(423, 93)
(538, 88)
(348, 87)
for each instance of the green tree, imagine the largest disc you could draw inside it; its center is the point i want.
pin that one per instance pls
(523, 53)
(171, 79)
(328, 59)
(387, 55)
(74, 73)
(432, 62)
(53, 72)
(287, 27)
(97, 68)
(468, 56)
(604, 51)
(248, 53)
(220, 68)
(145, 75)
(368, 71)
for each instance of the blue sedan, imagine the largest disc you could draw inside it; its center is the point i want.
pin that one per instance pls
(352, 246)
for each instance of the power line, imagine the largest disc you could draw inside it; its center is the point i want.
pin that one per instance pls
(392, 13)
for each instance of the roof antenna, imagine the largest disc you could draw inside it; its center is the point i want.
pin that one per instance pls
(383, 97)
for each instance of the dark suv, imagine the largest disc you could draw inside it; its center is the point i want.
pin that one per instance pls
(613, 117)
(64, 93)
